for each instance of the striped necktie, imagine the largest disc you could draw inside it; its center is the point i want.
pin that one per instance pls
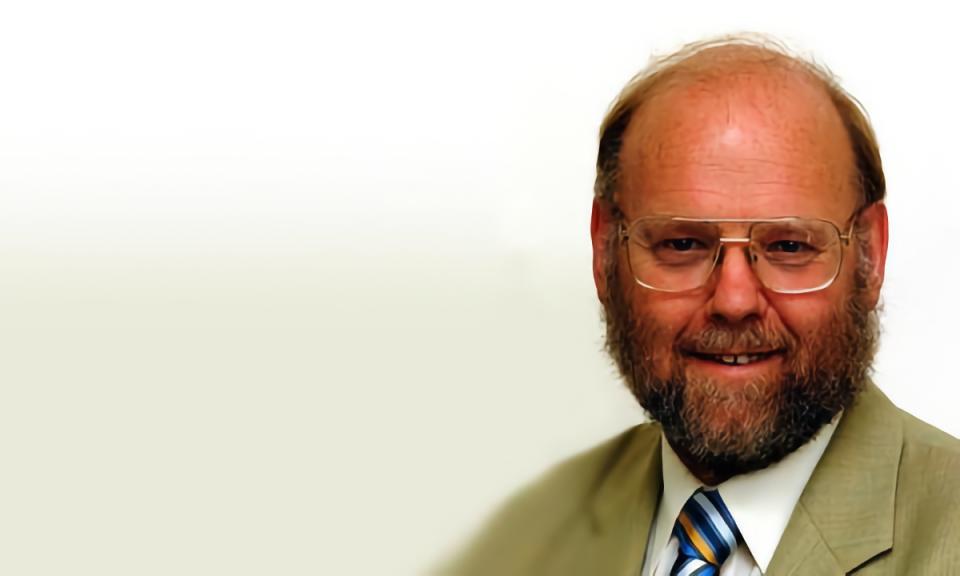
(706, 534)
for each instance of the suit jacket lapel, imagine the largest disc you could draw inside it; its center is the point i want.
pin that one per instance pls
(845, 514)
(625, 502)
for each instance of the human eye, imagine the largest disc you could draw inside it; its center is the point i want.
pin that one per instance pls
(681, 244)
(790, 247)
(680, 250)
(790, 251)
(670, 243)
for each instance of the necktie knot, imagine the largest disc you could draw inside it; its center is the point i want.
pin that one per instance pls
(706, 534)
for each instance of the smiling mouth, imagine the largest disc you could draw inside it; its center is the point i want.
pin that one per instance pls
(739, 359)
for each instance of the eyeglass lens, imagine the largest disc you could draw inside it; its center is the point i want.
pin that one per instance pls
(796, 255)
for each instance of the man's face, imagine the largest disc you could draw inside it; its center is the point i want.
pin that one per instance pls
(751, 146)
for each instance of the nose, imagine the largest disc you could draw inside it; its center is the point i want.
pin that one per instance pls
(737, 292)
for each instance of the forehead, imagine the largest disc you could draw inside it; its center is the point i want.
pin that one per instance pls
(751, 144)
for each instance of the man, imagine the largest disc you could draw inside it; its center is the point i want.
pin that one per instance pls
(739, 237)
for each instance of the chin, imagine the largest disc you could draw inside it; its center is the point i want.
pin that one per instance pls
(734, 430)
(730, 422)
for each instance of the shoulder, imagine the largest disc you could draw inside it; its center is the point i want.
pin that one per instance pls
(561, 501)
(930, 472)
(928, 496)
(918, 433)
(877, 422)
(930, 457)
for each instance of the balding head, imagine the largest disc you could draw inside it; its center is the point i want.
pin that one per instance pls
(722, 66)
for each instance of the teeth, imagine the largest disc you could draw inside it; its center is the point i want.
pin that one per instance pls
(738, 359)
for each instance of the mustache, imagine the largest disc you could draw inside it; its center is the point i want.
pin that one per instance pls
(720, 338)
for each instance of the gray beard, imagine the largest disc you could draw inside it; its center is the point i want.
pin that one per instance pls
(822, 376)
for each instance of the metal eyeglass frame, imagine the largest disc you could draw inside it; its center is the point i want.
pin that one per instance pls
(625, 229)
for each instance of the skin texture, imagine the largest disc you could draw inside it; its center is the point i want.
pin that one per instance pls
(760, 142)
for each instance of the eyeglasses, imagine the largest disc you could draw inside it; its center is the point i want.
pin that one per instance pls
(788, 255)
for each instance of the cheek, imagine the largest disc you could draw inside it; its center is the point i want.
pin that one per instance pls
(805, 314)
(669, 313)
(661, 319)
(673, 314)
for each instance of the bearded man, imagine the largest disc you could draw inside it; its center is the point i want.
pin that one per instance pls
(739, 238)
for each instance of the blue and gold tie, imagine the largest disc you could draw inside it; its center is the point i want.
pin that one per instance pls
(706, 533)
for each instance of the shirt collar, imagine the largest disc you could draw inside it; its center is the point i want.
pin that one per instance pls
(761, 502)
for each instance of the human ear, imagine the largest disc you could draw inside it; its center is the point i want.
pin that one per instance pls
(873, 233)
(602, 225)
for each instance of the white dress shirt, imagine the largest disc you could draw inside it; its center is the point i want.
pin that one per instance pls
(760, 502)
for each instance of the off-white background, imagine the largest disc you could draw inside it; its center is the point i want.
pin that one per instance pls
(296, 288)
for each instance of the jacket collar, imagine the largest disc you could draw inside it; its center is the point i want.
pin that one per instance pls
(846, 512)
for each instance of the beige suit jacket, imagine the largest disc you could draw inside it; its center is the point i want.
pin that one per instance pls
(884, 499)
